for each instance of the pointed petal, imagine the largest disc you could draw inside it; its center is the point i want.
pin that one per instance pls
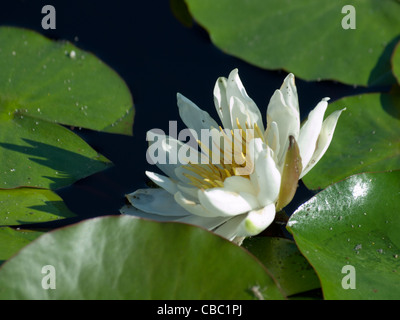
(163, 182)
(193, 117)
(221, 102)
(266, 177)
(235, 89)
(289, 92)
(227, 203)
(287, 120)
(156, 201)
(256, 221)
(324, 140)
(310, 131)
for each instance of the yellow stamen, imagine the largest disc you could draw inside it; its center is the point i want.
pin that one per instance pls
(234, 150)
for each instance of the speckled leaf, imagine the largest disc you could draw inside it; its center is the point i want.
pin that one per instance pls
(366, 139)
(58, 82)
(30, 205)
(138, 259)
(45, 83)
(306, 37)
(355, 222)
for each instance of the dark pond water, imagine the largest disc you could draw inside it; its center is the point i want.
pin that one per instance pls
(157, 57)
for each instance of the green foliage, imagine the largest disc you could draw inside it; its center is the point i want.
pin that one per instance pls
(306, 37)
(128, 258)
(354, 222)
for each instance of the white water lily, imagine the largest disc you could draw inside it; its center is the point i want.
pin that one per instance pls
(232, 203)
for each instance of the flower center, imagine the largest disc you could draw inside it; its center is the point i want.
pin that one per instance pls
(234, 158)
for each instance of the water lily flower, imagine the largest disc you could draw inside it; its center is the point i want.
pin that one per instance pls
(235, 199)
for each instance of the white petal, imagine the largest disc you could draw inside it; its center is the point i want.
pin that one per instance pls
(256, 221)
(240, 112)
(255, 147)
(310, 131)
(193, 116)
(227, 203)
(229, 229)
(207, 223)
(239, 184)
(163, 182)
(169, 153)
(212, 144)
(156, 201)
(132, 211)
(272, 137)
(287, 120)
(289, 92)
(267, 178)
(163, 152)
(236, 89)
(221, 102)
(193, 207)
(324, 140)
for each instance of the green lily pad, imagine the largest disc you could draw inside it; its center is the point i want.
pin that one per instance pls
(307, 37)
(285, 262)
(44, 83)
(366, 139)
(29, 205)
(11, 241)
(353, 223)
(58, 82)
(396, 63)
(123, 257)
